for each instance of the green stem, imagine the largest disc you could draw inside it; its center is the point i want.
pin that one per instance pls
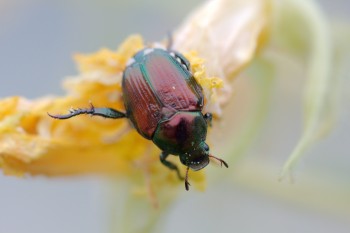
(318, 77)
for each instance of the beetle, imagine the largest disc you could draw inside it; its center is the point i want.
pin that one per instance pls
(164, 103)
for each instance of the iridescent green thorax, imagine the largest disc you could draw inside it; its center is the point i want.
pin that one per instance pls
(184, 134)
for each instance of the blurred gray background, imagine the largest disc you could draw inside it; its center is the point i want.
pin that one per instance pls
(37, 40)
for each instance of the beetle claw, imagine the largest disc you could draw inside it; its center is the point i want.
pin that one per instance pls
(187, 184)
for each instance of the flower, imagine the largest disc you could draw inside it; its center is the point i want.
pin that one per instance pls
(33, 143)
(220, 39)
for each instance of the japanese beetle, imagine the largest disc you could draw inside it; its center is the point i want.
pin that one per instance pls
(164, 103)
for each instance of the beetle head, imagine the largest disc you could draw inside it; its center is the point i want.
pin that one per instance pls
(196, 159)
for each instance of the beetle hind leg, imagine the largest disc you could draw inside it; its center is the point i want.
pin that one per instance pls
(170, 165)
(104, 112)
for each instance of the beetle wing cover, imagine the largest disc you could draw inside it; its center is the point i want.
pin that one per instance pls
(155, 87)
(174, 85)
(141, 104)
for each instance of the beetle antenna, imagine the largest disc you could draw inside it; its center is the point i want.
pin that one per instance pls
(187, 184)
(222, 162)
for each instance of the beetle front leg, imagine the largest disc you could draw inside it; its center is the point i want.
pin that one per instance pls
(208, 117)
(170, 165)
(104, 112)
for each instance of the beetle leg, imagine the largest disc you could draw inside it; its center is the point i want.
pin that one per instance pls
(208, 117)
(187, 184)
(170, 165)
(104, 112)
